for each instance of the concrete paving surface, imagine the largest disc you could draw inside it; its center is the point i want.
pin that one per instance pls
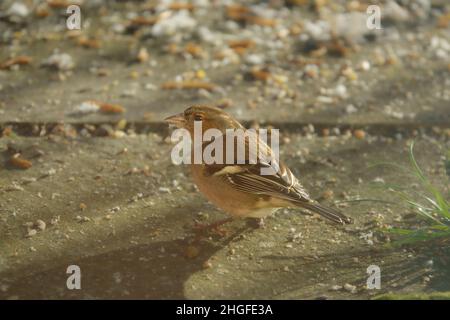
(86, 176)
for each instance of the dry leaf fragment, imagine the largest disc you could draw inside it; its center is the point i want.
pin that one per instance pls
(111, 108)
(59, 4)
(42, 11)
(8, 131)
(181, 6)
(319, 52)
(194, 50)
(261, 21)
(92, 106)
(17, 162)
(240, 50)
(244, 43)
(444, 21)
(88, 43)
(144, 21)
(191, 84)
(337, 48)
(243, 14)
(20, 60)
(260, 74)
(73, 34)
(237, 12)
(241, 46)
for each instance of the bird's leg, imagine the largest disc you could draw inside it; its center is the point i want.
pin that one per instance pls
(212, 226)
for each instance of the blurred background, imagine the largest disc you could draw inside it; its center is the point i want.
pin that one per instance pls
(85, 172)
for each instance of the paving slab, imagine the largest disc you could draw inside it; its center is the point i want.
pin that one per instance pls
(401, 77)
(94, 186)
(120, 210)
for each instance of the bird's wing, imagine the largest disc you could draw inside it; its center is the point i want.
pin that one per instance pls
(247, 177)
(282, 185)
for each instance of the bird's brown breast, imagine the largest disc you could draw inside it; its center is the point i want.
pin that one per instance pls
(232, 201)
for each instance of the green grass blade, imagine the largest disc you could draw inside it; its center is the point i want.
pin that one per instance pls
(441, 203)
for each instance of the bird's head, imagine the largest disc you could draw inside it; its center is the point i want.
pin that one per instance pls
(210, 117)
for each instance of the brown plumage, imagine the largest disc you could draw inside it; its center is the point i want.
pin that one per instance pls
(240, 189)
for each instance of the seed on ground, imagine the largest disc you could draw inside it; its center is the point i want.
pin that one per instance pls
(359, 134)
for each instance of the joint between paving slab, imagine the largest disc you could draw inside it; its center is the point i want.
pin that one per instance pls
(103, 129)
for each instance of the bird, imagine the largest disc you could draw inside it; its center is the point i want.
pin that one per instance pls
(240, 190)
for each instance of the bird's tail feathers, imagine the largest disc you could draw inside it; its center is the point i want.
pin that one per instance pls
(327, 212)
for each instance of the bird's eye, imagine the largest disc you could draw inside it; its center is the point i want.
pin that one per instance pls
(198, 117)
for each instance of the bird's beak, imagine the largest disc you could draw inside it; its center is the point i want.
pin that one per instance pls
(177, 120)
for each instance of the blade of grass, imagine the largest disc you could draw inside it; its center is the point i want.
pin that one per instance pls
(363, 200)
(420, 208)
(442, 205)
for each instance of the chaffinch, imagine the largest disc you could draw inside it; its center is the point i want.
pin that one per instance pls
(239, 189)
